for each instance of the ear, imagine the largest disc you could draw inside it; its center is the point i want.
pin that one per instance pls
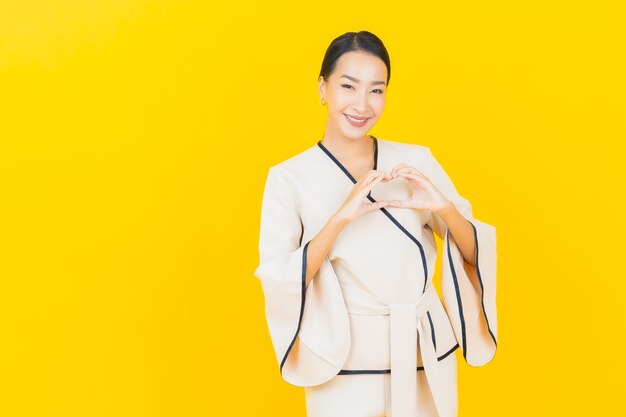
(321, 87)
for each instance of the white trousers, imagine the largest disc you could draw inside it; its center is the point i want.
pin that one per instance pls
(368, 395)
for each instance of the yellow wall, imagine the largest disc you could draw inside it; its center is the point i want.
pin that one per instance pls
(135, 140)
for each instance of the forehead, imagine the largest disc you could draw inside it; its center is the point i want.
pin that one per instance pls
(361, 65)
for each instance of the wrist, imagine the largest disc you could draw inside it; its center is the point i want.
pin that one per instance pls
(338, 221)
(444, 210)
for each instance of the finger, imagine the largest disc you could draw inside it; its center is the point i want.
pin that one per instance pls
(374, 180)
(377, 205)
(397, 167)
(367, 188)
(376, 174)
(411, 170)
(372, 173)
(408, 175)
(386, 175)
(363, 184)
(397, 203)
(366, 178)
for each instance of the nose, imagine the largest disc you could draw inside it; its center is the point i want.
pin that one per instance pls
(360, 104)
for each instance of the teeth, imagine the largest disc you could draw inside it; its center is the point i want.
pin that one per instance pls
(356, 120)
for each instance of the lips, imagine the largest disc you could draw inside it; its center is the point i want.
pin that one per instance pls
(356, 121)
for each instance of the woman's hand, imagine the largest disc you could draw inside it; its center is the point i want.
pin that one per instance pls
(357, 203)
(425, 195)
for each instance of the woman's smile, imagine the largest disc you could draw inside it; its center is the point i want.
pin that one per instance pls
(356, 122)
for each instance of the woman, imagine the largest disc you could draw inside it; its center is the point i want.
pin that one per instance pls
(347, 255)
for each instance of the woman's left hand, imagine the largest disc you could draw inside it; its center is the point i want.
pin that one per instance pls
(425, 195)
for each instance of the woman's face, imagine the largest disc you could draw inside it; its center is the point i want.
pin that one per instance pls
(357, 87)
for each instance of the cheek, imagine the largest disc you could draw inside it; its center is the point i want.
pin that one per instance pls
(378, 104)
(341, 99)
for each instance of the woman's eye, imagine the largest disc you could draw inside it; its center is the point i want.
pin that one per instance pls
(349, 86)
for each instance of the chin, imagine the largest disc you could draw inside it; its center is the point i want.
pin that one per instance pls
(355, 133)
(351, 134)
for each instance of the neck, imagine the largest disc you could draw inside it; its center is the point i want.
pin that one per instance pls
(348, 147)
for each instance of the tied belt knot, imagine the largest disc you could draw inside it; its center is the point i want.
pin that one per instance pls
(405, 319)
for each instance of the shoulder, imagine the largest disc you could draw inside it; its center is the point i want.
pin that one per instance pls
(296, 170)
(296, 161)
(418, 154)
(414, 148)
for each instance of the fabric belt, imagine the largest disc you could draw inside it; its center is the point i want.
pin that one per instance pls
(404, 320)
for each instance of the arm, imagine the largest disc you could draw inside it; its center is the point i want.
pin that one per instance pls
(461, 231)
(455, 216)
(321, 244)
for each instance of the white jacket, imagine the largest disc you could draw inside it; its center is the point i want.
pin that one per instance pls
(374, 289)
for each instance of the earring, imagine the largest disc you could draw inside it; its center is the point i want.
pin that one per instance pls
(322, 101)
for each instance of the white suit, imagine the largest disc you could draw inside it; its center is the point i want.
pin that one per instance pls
(370, 321)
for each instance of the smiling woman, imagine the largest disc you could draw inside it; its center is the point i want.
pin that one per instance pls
(353, 82)
(347, 258)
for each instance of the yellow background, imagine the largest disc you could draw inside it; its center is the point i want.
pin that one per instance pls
(135, 141)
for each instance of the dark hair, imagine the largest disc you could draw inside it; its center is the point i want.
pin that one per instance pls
(354, 41)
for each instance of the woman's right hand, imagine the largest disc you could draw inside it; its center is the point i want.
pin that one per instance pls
(357, 203)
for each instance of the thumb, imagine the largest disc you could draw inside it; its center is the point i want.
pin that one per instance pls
(377, 205)
(396, 203)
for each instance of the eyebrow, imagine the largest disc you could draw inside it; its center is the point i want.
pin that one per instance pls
(356, 80)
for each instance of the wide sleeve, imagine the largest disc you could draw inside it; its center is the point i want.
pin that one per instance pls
(468, 291)
(308, 325)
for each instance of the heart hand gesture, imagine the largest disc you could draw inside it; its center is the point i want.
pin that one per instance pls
(425, 195)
